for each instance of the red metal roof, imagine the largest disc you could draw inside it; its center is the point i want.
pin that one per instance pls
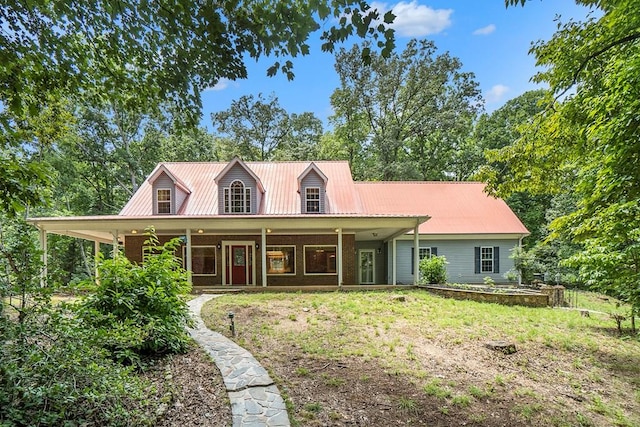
(280, 181)
(454, 207)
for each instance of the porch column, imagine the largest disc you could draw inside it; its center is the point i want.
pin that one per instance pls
(96, 260)
(189, 260)
(394, 262)
(263, 256)
(339, 255)
(416, 254)
(43, 257)
(116, 249)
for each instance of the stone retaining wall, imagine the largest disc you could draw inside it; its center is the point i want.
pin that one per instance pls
(528, 299)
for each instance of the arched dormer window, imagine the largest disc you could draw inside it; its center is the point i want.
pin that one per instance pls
(237, 198)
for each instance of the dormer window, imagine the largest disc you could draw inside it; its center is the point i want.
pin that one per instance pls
(312, 198)
(237, 198)
(163, 199)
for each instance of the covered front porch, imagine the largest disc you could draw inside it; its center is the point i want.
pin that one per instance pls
(250, 251)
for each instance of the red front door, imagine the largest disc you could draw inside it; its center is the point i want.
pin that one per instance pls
(239, 265)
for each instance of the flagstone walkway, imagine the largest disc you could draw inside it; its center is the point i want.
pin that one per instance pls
(255, 400)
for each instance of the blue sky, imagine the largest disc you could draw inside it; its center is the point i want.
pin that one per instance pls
(491, 41)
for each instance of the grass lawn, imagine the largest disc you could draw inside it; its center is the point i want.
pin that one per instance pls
(370, 358)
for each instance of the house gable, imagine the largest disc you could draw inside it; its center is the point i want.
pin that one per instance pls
(240, 191)
(312, 186)
(168, 192)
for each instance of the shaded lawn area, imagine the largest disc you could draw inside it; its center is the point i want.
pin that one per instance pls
(370, 358)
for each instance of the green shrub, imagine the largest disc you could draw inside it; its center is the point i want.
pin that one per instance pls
(141, 309)
(54, 370)
(433, 270)
(59, 376)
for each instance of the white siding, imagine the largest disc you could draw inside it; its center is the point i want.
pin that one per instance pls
(460, 257)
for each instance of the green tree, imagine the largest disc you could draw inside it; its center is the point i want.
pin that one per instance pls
(501, 129)
(589, 135)
(255, 128)
(411, 111)
(302, 141)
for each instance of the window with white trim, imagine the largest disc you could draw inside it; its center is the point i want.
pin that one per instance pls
(237, 198)
(312, 199)
(320, 259)
(486, 259)
(203, 260)
(281, 260)
(163, 200)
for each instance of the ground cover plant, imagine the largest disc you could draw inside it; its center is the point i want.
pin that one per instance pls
(411, 358)
(79, 362)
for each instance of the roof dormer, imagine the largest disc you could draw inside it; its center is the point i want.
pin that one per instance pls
(240, 191)
(169, 192)
(312, 186)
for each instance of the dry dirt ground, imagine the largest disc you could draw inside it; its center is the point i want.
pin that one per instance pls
(191, 391)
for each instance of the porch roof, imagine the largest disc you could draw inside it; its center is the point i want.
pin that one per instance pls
(102, 228)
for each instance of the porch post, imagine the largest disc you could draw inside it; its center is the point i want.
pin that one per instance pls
(116, 249)
(394, 262)
(263, 256)
(339, 255)
(189, 260)
(43, 257)
(416, 254)
(96, 259)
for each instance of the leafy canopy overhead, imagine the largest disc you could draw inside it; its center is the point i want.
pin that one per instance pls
(168, 50)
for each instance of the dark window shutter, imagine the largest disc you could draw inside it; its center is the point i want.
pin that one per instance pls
(477, 259)
(434, 251)
(496, 259)
(413, 259)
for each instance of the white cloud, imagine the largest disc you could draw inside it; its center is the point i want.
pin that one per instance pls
(496, 93)
(221, 85)
(416, 20)
(485, 30)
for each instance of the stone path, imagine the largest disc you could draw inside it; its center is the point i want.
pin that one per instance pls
(255, 400)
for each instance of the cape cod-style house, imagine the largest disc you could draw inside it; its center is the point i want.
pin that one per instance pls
(306, 223)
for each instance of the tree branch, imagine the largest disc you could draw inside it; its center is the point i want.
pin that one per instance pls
(583, 64)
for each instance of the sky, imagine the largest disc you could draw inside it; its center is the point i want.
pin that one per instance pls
(492, 41)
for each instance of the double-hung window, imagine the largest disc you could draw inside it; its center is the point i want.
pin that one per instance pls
(486, 259)
(163, 200)
(312, 198)
(237, 198)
